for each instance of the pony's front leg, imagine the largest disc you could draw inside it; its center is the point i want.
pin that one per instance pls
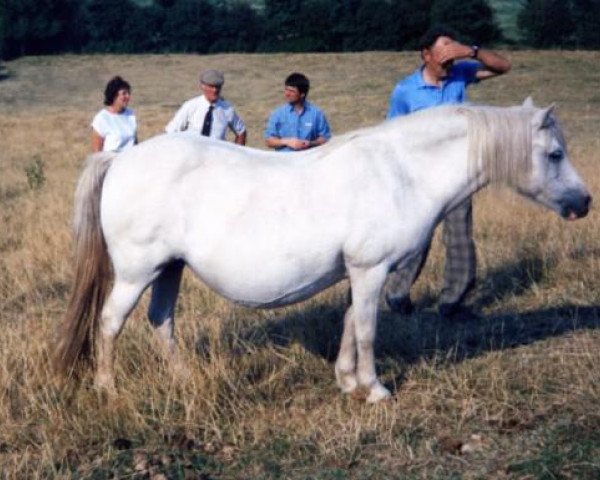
(366, 286)
(121, 301)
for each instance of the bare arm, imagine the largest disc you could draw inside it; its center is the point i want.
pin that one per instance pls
(97, 141)
(494, 63)
(318, 141)
(291, 142)
(240, 138)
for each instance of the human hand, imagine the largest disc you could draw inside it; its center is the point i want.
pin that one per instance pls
(449, 52)
(298, 144)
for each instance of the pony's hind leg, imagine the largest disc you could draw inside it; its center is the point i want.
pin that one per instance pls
(120, 302)
(161, 312)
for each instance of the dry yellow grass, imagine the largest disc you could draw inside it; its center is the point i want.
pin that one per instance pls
(514, 396)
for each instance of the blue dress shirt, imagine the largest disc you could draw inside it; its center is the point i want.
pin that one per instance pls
(413, 93)
(309, 125)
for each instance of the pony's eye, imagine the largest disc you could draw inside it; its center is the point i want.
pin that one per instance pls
(556, 156)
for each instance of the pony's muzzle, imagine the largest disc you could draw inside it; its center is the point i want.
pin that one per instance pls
(575, 205)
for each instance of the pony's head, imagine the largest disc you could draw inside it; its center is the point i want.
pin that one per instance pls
(525, 148)
(552, 179)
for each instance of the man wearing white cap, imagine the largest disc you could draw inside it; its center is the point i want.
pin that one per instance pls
(209, 114)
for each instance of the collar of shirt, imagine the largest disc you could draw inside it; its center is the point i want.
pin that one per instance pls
(421, 83)
(305, 108)
(206, 103)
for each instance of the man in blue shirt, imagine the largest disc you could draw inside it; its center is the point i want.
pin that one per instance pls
(299, 124)
(441, 81)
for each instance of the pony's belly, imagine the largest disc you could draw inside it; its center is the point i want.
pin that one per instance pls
(267, 289)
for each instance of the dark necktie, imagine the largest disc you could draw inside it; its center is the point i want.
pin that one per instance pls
(207, 122)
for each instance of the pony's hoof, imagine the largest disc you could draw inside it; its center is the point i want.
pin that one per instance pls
(378, 393)
(180, 372)
(105, 384)
(346, 382)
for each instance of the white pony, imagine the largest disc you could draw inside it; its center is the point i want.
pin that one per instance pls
(265, 229)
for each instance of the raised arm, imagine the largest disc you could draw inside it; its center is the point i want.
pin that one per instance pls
(494, 64)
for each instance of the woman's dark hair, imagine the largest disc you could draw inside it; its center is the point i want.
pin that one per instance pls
(112, 89)
(435, 32)
(299, 81)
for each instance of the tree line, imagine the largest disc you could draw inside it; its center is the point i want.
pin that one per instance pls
(37, 27)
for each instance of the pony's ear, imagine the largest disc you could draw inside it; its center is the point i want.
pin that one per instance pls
(528, 102)
(545, 118)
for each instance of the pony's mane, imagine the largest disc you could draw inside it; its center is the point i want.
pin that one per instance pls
(499, 140)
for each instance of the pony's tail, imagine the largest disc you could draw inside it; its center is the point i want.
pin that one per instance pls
(75, 342)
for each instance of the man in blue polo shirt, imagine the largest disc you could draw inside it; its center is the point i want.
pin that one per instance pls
(299, 124)
(440, 81)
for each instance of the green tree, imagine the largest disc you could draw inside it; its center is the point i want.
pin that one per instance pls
(3, 14)
(378, 24)
(144, 30)
(31, 27)
(315, 23)
(403, 22)
(107, 23)
(374, 26)
(281, 28)
(189, 26)
(328, 25)
(586, 17)
(411, 20)
(237, 26)
(547, 23)
(473, 19)
(343, 34)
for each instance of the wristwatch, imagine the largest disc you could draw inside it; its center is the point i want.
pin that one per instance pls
(475, 51)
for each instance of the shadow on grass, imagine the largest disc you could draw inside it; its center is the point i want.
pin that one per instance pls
(424, 335)
(406, 340)
(512, 279)
(3, 72)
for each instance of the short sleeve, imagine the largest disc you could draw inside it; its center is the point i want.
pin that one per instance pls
(467, 71)
(100, 125)
(180, 121)
(237, 124)
(323, 129)
(272, 128)
(398, 103)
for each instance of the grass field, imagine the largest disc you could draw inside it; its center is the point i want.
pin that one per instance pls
(513, 396)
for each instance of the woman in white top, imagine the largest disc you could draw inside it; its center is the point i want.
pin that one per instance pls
(114, 128)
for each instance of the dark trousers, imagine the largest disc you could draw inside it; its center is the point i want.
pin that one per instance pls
(459, 272)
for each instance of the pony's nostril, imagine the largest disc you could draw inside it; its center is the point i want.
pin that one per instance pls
(588, 201)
